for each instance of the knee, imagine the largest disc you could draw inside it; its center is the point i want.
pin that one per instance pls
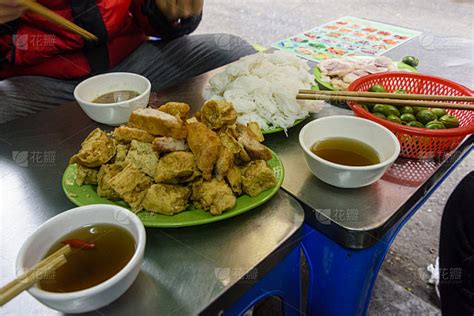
(227, 46)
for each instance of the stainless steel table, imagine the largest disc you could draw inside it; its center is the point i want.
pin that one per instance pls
(186, 271)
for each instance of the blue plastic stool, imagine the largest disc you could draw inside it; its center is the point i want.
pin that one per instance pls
(341, 279)
(282, 281)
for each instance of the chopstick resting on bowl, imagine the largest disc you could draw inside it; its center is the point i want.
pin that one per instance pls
(388, 98)
(52, 16)
(34, 274)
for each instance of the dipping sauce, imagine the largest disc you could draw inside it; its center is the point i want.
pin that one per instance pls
(116, 96)
(114, 247)
(346, 151)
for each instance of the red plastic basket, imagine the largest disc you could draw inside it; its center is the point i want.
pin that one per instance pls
(419, 142)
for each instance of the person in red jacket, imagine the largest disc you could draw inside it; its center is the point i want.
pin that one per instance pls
(41, 62)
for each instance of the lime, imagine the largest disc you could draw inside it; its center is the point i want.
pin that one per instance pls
(449, 121)
(425, 116)
(377, 88)
(379, 108)
(400, 91)
(435, 125)
(391, 110)
(415, 124)
(394, 119)
(417, 109)
(407, 117)
(411, 61)
(380, 115)
(439, 112)
(407, 109)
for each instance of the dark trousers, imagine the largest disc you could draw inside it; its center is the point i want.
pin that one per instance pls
(456, 251)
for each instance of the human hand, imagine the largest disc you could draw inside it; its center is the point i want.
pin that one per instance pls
(10, 10)
(179, 9)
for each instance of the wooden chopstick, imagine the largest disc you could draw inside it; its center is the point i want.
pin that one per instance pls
(401, 96)
(52, 16)
(34, 274)
(395, 102)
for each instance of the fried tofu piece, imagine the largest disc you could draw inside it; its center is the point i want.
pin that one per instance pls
(234, 178)
(248, 139)
(86, 175)
(228, 140)
(143, 156)
(165, 145)
(257, 177)
(224, 162)
(257, 131)
(158, 123)
(167, 199)
(176, 109)
(205, 145)
(131, 184)
(107, 172)
(97, 149)
(214, 195)
(121, 155)
(192, 120)
(176, 167)
(218, 113)
(126, 134)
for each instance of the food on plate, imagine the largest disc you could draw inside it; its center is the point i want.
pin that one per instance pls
(205, 145)
(257, 177)
(346, 151)
(411, 61)
(341, 72)
(86, 176)
(158, 123)
(263, 88)
(126, 134)
(131, 184)
(167, 199)
(106, 173)
(116, 97)
(102, 248)
(169, 144)
(96, 149)
(176, 109)
(214, 195)
(176, 167)
(215, 163)
(218, 113)
(421, 117)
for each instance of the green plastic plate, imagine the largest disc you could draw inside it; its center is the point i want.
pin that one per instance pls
(86, 195)
(327, 86)
(279, 129)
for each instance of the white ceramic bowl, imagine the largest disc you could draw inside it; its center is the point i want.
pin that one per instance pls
(37, 245)
(114, 113)
(371, 133)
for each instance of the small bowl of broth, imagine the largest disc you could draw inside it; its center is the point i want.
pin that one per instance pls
(108, 245)
(111, 98)
(348, 152)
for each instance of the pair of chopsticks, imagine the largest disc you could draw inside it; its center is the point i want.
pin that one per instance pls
(389, 98)
(50, 15)
(33, 275)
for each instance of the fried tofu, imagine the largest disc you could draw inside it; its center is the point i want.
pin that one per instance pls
(234, 178)
(224, 162)
(176, 167)
(228, 140)
(107, 172)
(167, 199)
(214, 195)
(143, 156)
(257, 177)
(121, 155)
(257, 131)
(86, 175)
(205, 145)
(176, 109)
(126, 134)
(218, 113)
(158, 123)
(248, 139)
(131, 184)
(97, 149)
(163, 145)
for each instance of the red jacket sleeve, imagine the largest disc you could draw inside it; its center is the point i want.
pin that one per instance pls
(154, 23)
